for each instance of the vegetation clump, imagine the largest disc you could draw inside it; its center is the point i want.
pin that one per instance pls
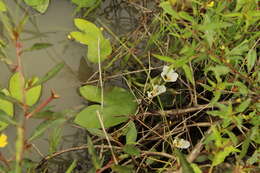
(188, 100)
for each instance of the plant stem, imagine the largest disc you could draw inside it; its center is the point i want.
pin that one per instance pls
(44, 104)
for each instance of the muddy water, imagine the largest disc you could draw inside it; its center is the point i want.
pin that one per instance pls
(54, 25)
(53, 28)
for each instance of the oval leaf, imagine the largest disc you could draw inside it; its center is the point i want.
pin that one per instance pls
(8, 108)
(16, 86)
(5, 120)
(88, 117)
(91, 93)
(251, 59)
(39, 46)
(131, 149)
(33, 94)
(131, 134)
(88, 28)
(118, 105)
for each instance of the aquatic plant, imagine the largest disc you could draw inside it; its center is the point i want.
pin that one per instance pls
(188, 99)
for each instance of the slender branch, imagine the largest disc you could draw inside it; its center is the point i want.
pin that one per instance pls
(107, 138)
(44, 104)
(188, 110)
(83, 147)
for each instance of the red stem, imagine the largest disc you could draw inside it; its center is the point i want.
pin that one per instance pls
(41, 106)
(108, 165)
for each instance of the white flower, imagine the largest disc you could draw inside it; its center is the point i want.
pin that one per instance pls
(181, 143)
(157, 90)
(168, 74)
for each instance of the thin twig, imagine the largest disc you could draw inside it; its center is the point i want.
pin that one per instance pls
(83, 147)
(188, 110)
(107, 138)
(122, 74)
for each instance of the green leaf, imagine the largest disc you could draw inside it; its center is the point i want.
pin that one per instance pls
(242, 88)
(188, 74)
(73, 165)
(254, 158)
(34, 2)
(164, 58)
(91, 35)
(255, 135)
(217, 95)
(174, 63)
(245, 146)
(216, 136)
(167, 8)
(118, 105)
(218, 71)
(39, 5)
(131, 133)
(232, 136)
(50, 74)
(80, 37)
(6, 105)
(239, 49)
(91, 93)
(196, 168)
(33, 94)
(88, 28)
(84, 3)
(213, 26)
(240, 4)
(210, 27)
(44, 126)
(16, 86)
(98, 49)
(97, 132)
(251, 59)
(9, 98)
(123, 169)
(93, 155)
(88, 117)
(55, 139)
(184, 15)
(2, 6)
(8, 109)
(39, 46)
(131, 149)
(42, 8)
(243, 106)
(221, 155)
(5, 119)
(186, 166)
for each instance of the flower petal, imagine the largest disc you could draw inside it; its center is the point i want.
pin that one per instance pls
(160, 89)
(157, 90)
(181, 143)
(169, 75)
(172, 77)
